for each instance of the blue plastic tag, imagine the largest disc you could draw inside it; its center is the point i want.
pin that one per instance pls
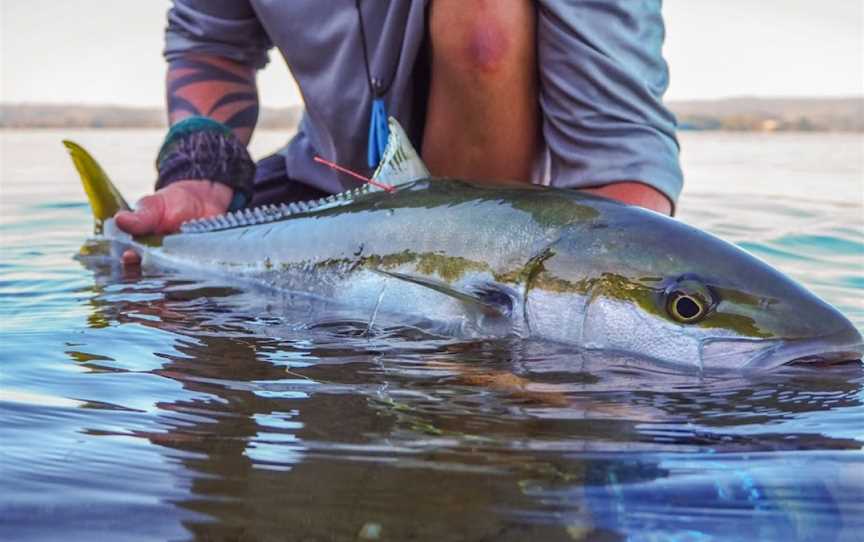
(378, 133)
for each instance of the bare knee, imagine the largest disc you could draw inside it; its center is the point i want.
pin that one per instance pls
(481, 37)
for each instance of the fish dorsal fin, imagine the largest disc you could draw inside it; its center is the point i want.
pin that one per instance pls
(254, 216)
(491, 301)
(400, 163)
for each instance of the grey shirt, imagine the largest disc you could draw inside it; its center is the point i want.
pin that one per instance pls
(602, 78)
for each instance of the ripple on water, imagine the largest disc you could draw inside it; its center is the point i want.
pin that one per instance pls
(168, 407)
(823, 244)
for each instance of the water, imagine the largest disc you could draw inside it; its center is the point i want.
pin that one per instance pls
(155, 406)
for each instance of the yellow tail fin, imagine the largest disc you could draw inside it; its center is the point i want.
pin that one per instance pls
(105, 199)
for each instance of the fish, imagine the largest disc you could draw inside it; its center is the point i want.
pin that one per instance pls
(510, 259)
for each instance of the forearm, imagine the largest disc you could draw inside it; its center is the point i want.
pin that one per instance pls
(213, 87)
(203, 165)
(635, 193)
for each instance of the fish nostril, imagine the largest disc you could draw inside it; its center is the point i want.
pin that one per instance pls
(847, 337)
(836, 328)
(824, 321)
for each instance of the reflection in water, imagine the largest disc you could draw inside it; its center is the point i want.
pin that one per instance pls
(324, 431)
(165, 407)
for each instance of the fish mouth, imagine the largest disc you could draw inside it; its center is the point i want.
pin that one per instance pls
(758, 355)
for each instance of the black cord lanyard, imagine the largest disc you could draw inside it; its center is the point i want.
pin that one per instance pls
(376, 86)
(379, 131)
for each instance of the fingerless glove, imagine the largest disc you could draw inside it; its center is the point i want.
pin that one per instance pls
(202, 148)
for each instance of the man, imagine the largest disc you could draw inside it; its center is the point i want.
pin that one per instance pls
(560, 91)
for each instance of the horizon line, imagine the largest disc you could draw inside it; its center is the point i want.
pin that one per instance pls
(674, 100)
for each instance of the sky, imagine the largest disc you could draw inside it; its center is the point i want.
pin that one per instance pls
(109, 51)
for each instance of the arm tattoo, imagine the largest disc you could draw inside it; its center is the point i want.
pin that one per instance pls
(213, 87)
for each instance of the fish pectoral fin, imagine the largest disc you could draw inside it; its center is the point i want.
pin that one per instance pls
(487, 298)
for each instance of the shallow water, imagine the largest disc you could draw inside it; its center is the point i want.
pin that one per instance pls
(157, 406)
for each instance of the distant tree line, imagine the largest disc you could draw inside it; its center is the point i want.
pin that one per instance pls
(736, 114)
(90, 116)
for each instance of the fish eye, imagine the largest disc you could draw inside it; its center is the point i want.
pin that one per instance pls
(688, 301)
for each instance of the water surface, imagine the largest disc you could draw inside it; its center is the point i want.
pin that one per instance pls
(160, 406)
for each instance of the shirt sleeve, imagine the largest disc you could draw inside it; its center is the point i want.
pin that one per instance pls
(227, 28)
(602, 78)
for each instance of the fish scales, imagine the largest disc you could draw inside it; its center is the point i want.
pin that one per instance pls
(408, 232)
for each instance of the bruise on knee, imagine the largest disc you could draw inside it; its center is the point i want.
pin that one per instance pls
(487, 47)
(481, 37)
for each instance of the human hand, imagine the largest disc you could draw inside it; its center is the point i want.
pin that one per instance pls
(164, 211)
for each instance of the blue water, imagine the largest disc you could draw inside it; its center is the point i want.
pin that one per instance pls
(155, 406)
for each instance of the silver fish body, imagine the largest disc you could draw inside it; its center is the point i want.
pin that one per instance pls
(531, 261)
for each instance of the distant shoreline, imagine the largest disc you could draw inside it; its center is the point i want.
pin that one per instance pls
(731, 114)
